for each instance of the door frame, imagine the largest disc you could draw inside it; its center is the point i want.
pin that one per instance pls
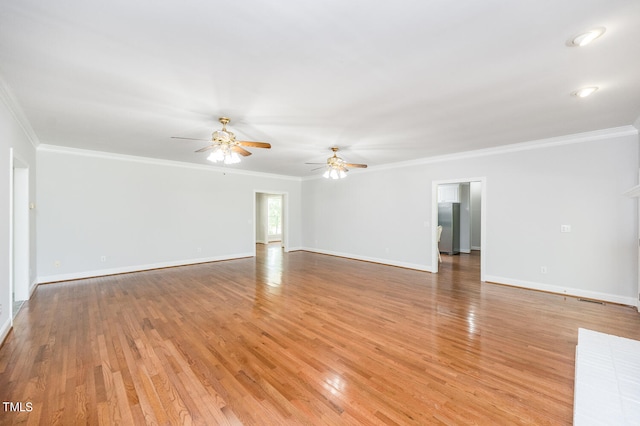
(19, 232)
(285, 217)
(483, 221)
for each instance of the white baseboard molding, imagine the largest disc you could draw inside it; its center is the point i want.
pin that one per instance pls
(389, 262)
(4, 330)
(32, 288)
(136, 268)
(568, 291)
(476, 248)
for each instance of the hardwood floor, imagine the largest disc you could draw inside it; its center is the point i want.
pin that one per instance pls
(297, 338)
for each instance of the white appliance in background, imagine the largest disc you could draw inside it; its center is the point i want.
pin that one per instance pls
(449, 219)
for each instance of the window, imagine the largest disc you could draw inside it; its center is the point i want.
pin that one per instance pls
(274, 206)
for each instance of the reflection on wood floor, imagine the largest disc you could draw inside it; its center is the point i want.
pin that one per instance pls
(298, 338)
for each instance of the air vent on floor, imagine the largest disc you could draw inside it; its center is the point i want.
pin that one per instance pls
(591, 301)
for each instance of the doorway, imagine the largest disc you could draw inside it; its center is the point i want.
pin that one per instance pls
(470, 195)
(271, 219)
(19, 262)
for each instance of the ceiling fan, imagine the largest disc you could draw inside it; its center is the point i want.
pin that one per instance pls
(336, 167)
(224, 145)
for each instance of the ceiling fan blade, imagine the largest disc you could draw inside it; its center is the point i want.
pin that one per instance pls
(240, 151)
(206, 148)
(255, 144)
(357, 166)
(191, 139)
(315, 163)
(317, 168)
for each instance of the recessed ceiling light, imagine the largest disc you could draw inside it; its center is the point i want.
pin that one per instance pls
(584, 92)
(587, 37)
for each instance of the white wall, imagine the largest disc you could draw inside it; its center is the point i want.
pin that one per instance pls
(141, 214)
(384, 214)
(16, 143)
(261, 218)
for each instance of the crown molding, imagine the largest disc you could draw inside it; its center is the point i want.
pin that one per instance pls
(517, 147)
(522, 146)
(6, 95)
(156, 161)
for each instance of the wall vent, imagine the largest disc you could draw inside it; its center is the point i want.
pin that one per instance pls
(591, 301)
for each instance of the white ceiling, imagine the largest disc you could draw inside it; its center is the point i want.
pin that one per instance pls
(385, 81)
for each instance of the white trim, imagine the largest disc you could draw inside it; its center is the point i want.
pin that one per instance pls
(23, 258)
(14, 108)
(568, 291)
(423, 268)
(285, 219)
(633, 192)
(483, 220)
(4, 330)
(521, 146)
(11, 232)
(156, 161)
(20, 229)
(137, 268)
(515, 147)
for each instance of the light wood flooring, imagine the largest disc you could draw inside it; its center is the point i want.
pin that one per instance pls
(298, 338)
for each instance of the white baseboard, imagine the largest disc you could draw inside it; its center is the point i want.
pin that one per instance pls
(136, 268)
(575, 292)
(4, 330)
(389, 262)
(32, 288)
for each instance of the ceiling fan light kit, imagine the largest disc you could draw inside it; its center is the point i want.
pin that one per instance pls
(335, 173)
(336, 167)
(225, 148)
(223, 155)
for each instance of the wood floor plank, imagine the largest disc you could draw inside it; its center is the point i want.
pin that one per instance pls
(298, 338)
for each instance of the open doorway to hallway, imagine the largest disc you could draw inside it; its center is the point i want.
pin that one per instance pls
(458, 209)
(19, 262)
(271, 219)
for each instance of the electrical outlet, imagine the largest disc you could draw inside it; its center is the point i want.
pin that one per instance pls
(565, 228)
(0, 308)
(103, 258)
(56, 264)
(543, 269)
